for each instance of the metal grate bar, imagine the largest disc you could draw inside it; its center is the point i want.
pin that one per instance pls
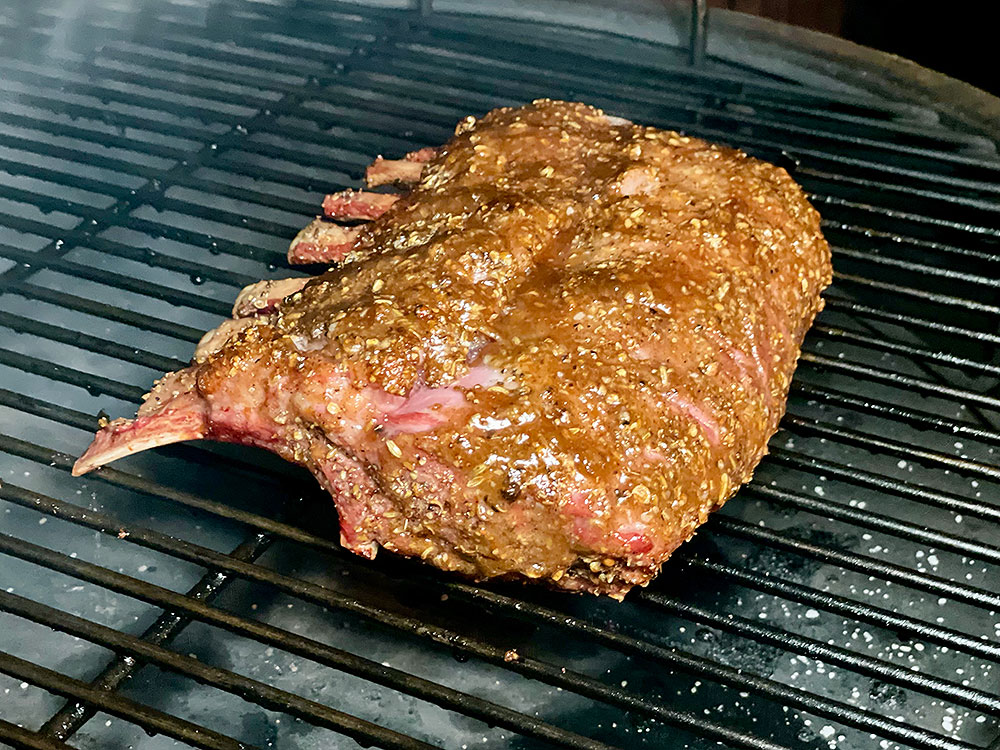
(25, 739)
(828, 654)
(812, 157)
(840, 304)
(90, 343)
(61, 461)
(978, 207)
(892, 448)
(149, 719)
(899, 380)
(458, 33)
(46, 410)
(877, 522)
(38, 93)
(256, 56)
(165, 79)
(340, 25)
(108, 312)
(110, 278)
(922, 268)
(427, 93)
(581, 69)
(831, 708)
(248, 221)
(308, 648)
(711, 87)
(139, 142)
(862, 478)
(865, 564)
(94, 384)
(914, 220)
(857, 233)
(965, 305)
(79, 155)
(556, 676)
(98, 182)
(913, 352)
(676, 108)
(876, 407)
(863, 612)
(840, 189)
(247, 193)
(186, 83)
(68, 719)
(117, 91)
(256, 692)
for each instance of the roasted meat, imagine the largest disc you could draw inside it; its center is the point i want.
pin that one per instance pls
(550, 359)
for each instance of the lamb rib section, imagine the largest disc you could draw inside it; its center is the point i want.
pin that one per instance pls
(550, 358)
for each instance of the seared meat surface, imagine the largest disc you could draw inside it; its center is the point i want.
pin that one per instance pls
(551, 359)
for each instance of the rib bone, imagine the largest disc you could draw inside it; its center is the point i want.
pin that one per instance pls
(263, 297)
(322, 242)
(173, 412)
(405, 171)
(357, 204)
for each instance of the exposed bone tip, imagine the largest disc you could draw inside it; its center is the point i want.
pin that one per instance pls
(181, 416)
(82, 466)
(105, 448)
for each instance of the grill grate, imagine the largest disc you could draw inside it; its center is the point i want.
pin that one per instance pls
(156, 157)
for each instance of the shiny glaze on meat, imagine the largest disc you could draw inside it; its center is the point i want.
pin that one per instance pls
(552, 359)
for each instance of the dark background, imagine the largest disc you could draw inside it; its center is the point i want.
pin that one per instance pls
(956, 38)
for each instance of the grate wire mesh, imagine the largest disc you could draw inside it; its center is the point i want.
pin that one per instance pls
(156, 157)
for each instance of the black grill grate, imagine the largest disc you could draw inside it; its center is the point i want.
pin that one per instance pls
(155, 157)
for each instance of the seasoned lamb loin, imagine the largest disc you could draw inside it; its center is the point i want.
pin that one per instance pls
(551, 359)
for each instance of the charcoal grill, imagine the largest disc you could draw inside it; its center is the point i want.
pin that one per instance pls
(157, 156)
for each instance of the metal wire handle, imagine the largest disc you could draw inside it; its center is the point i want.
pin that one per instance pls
(699, 32)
